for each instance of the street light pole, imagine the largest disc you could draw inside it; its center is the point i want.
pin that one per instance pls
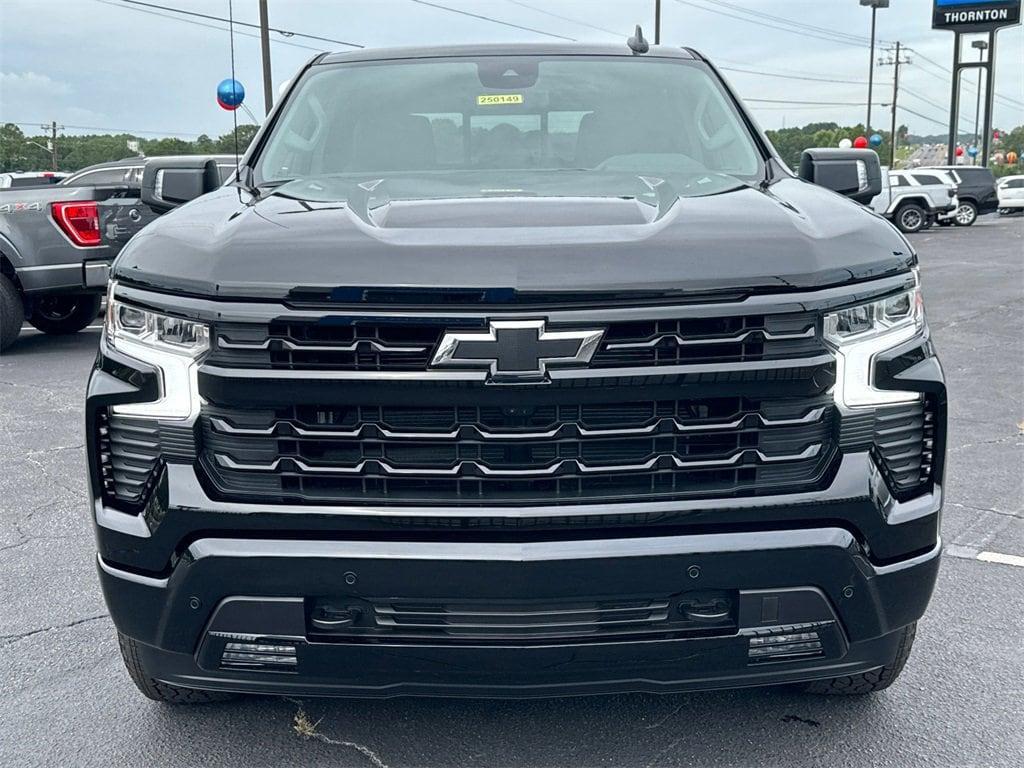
(657, 22)
(874, 5)
(982, 46)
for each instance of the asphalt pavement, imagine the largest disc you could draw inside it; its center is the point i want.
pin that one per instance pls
(65, 698)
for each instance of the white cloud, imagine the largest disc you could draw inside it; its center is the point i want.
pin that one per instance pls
(17, 85)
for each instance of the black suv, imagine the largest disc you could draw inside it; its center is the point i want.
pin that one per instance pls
(517, 371)
(975, 190)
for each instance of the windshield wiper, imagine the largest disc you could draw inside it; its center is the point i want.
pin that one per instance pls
(275, 183)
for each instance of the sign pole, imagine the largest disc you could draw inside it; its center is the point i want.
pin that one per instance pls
(990, 92)
(954, 103)
(970, 17)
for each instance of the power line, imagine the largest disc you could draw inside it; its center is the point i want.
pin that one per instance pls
(132, 131)
(571, 20)
(492, 20)
(116, 4)
(948, 73)
(916, 95)
(285, 32)
(904, 108)
(860, 39)
(817, 103)
(790, 29)
(765, 73)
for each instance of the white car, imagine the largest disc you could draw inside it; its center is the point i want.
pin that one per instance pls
(40, 179)
(1011, 194)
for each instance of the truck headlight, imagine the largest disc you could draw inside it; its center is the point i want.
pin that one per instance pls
(859, 333)
(171, 344)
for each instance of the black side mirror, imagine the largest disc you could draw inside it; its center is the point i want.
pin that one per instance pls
(168, 182)
(855, 173)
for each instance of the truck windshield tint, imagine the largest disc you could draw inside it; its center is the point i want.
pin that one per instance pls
(463, 124)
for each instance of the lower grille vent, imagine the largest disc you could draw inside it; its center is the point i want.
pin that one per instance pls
(524, 621)
(905, 445)
(129, 451)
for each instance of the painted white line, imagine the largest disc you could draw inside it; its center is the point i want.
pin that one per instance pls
(29, 329)
(999, 557)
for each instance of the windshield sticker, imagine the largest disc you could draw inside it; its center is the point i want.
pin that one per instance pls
(490, 99)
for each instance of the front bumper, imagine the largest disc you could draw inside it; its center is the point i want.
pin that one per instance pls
(784, 582)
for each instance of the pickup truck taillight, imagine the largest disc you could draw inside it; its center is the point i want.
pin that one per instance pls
(80, 221)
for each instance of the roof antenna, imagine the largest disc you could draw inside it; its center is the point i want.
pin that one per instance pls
(637, 44)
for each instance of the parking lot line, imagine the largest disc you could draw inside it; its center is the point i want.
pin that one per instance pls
(999, 557)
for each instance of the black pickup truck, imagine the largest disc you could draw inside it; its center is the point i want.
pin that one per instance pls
(57, 240)
(517, 370)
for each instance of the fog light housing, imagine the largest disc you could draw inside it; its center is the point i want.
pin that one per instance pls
(784, 647)
(260, 655)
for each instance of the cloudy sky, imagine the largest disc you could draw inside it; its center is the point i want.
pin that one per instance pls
(118, 66)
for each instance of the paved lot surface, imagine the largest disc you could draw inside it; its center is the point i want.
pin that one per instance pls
(65, 699)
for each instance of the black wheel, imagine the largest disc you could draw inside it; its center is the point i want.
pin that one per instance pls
(869, 682)
(911, 218)
(12, 313)
(65, 313)
(966, 214)
(155, 690)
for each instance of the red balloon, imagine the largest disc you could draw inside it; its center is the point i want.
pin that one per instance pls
(228, 107)
(959, 151)
(860, 142)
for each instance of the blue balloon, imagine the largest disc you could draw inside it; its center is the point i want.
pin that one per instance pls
(876, 140)
(972, 151)
(230, 93)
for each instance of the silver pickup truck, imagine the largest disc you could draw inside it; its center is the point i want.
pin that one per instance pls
(913, 200)
(54, 257)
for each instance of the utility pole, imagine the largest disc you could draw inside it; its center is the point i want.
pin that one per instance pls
(657, 22)
(268, 83)
(52, 128)
(894, 60)
(982, 46)
(874, 5)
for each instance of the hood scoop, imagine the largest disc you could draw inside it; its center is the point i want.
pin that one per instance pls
(512, 211)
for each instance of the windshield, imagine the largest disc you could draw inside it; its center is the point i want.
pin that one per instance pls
(564, 125)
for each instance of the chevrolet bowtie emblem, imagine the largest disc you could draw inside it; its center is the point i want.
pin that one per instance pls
(516, 350)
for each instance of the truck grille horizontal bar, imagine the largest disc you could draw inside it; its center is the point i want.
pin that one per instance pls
(528, 451)
(367, 344)
(551, 469)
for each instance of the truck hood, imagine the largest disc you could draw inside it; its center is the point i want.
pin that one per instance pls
(793, 235)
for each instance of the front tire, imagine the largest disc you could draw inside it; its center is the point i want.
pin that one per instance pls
(869, 682)
(12, 313)
(154, 689)
(65, 313)
(911, 218)
(966, 214)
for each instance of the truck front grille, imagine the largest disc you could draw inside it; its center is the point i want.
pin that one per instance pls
(541, 453)
(375, 344)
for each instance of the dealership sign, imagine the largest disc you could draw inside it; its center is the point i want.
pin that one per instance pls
(975, 15)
